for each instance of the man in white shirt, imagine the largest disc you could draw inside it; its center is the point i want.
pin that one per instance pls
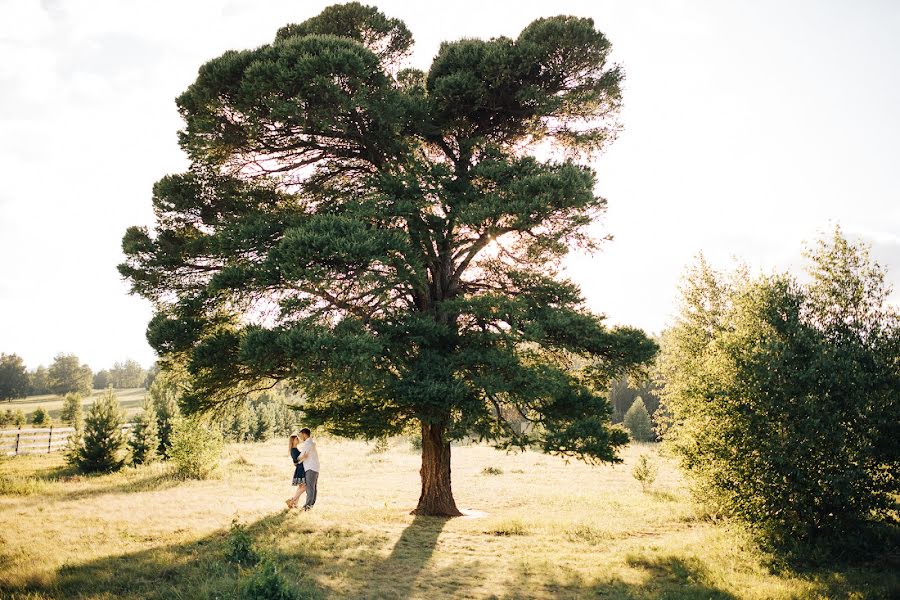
(310, 459)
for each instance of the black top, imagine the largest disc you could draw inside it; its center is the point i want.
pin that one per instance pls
(299, 471)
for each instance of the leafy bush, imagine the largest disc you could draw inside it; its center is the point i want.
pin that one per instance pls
(381, 446)
(144, 442)
(240, 548)
(415, 442)
(7, 417)
(103, 442)
(266, 583)
(637, 421)
(165, 390)
(644, 472)
(41, 418)
(19, 418)
(196, 448)
(781, 398)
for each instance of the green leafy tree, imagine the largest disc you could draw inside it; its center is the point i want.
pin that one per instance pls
(14, 380)
(196, 448)
(72, 411)
(39, 381)
(144, 440)
(102, 380)
(41, 418)
(66, 374)
(406, 229)
(781, 399)
(166, 389)
(637, 421)
(128, 374)
(103, 443)
(7, 418)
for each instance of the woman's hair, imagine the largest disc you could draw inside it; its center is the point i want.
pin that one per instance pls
(291, 439)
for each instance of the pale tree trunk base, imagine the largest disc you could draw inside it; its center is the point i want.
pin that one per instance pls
(436, 499)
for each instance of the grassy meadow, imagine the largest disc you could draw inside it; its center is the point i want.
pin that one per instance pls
(130, 398)
(538, 528)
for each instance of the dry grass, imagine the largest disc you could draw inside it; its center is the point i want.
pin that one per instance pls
(552, 530)
(130, 398)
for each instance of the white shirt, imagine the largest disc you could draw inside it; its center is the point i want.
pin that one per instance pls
(311, 462)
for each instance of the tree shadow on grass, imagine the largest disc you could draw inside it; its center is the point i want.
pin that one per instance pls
(668, 577)
(194, 569)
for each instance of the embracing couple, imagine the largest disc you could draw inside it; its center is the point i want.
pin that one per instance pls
(306, 470)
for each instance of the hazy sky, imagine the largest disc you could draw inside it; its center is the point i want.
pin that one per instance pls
(749, 126)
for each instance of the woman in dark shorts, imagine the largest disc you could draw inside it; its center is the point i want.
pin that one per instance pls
(299, 472)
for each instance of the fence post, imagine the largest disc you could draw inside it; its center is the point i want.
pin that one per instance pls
(18, 435)
(50, 439)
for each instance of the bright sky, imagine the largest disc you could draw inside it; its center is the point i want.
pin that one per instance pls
(749, 126)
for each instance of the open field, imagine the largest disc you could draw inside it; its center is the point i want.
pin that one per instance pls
(552, 530)
(130, 398)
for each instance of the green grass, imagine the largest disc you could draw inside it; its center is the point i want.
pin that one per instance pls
(540, 529)
(130, 398)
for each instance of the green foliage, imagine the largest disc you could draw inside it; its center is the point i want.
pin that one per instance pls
(240, 548)
(102, 380)
(19, 418)
(196, 448)
(372, 209)
(14, 380)
(67, 375)
(72, 411)
(39, 382)
(781, 399)
(258, 419)
(144, 440)
(637, 421)
(40, 417)
(7, 417)
(265, 582)
(381, 446)
(103, 441)
(166, 389)
(644, 472)
(128, 374)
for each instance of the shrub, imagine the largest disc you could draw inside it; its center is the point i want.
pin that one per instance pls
(19, 418)
(637, 421)
(196, 448)
(381, 446)
(165, 390)
(41, 418)
(415, 442)
(7, 418)
(144, 441)
(240, 546)
(71, 409)
(101, 448)
(266, 583)
(644, 472)
(781, 397)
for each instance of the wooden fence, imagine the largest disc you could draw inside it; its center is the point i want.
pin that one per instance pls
(14, 442)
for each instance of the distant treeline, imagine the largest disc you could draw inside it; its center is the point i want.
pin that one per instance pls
(67, 374)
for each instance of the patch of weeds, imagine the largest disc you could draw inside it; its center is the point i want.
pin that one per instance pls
(265, 582)
(381, 446)
(586, 534)
(240, 548)
(21, 486)
(518, 471)
(508, 528)
(492, 471)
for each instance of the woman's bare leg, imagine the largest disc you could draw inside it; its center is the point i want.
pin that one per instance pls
(300, 489)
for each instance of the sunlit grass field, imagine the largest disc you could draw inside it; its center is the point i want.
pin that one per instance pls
(541, 529)
(130, 398)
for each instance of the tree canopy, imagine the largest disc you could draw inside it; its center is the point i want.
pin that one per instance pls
(14, 380)
(389, 240)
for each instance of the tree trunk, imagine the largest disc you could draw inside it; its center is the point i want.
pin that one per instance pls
(437, 496)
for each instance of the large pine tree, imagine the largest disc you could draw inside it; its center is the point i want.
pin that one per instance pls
(389, 240)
